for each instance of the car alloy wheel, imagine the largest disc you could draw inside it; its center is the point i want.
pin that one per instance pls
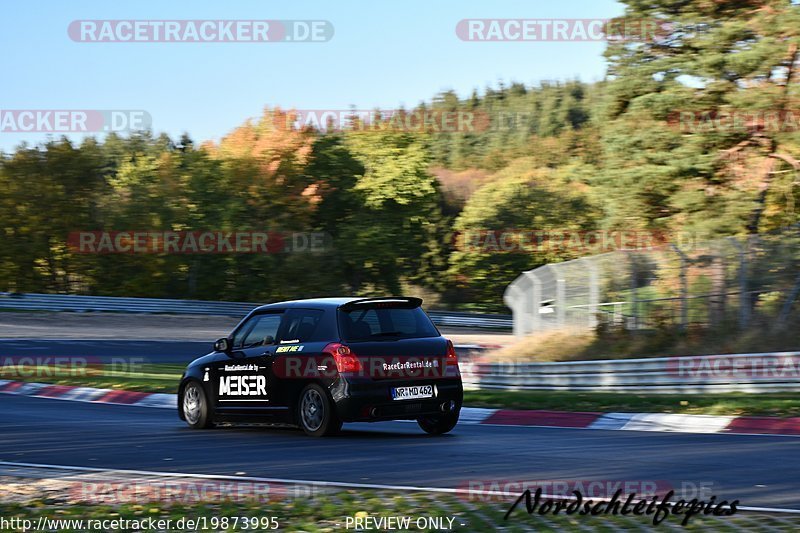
(192, 404)
(316, 412)
(312, 410)
(196, 410)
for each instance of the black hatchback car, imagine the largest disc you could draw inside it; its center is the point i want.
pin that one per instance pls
(318, 363)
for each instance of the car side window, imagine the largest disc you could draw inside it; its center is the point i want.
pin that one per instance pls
(300, 325)
(239, 334)
(264, 331)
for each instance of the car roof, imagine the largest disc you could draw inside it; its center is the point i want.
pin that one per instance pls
(320, 303)
(309, 302)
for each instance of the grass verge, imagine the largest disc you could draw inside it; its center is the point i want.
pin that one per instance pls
(331, 512)
(146, 378)
(733, 404)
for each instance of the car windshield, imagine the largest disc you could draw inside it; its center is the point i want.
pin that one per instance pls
(369, 323)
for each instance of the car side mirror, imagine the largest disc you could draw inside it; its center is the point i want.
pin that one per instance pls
(222, 345)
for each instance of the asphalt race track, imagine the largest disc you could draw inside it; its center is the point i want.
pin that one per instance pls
(757, 470)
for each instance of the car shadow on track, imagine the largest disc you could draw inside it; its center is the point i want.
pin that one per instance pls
(346, 432)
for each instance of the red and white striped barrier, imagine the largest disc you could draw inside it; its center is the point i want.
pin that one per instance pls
(747, 425)
(88, 394)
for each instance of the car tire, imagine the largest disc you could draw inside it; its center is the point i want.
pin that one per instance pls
(196, 409)
(316, 413)
(438, 424)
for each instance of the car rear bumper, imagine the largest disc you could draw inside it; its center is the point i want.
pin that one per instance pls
(371, 400)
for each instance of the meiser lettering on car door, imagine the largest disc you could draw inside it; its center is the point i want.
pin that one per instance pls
(244, 380)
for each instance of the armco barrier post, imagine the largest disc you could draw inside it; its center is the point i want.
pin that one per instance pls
(594, 291)
(561, 300)
(514, 299)
(634, 275)
(535, 302)
(684, 287)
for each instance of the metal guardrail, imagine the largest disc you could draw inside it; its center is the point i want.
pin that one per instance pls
(469, 320)
(69, 302)
(65, 302)
(761, 372)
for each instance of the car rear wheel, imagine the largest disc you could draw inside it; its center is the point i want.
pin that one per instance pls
(439, 424)
(316, 412)
(196, 410)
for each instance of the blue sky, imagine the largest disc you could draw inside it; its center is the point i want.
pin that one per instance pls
(384, 54)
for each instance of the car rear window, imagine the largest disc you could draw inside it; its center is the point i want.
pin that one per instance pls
(370, 323)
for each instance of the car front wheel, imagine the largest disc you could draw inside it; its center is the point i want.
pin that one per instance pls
(196, 410)
(316, 412)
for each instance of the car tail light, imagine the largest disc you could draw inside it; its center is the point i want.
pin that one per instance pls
(452, 358)
(346, 361)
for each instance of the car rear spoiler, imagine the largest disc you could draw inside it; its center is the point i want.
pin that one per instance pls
(398, 302)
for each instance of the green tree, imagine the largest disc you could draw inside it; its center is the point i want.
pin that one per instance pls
(520, 201)
(390, 232)
(708, 57)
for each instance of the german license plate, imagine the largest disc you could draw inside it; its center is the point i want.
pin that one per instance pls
(412, 393)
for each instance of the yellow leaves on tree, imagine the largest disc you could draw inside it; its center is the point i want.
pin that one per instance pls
(265, 161)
